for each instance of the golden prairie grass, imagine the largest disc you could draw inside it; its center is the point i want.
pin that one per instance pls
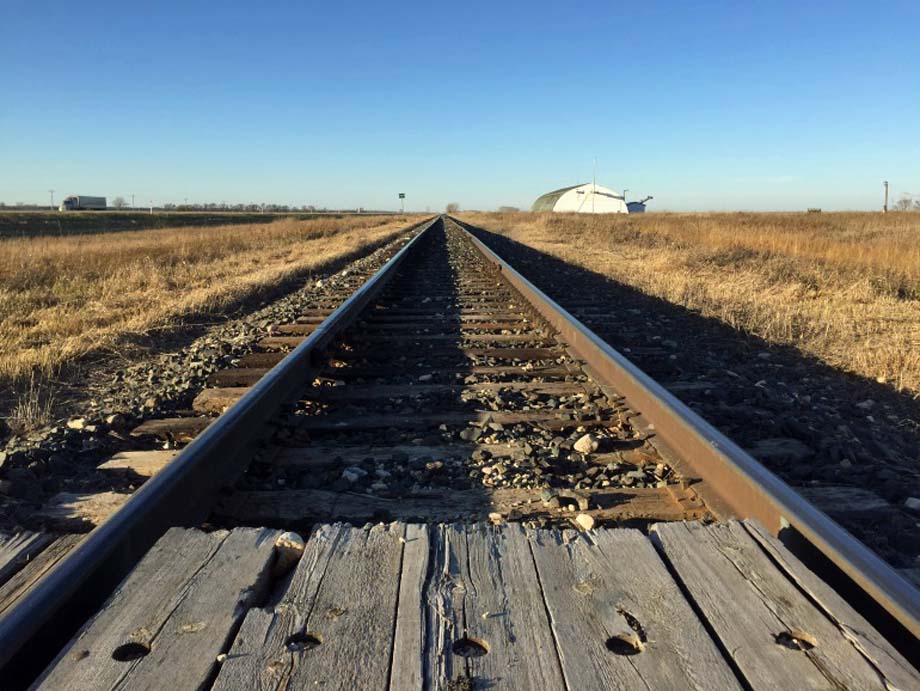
(64, 297)
(844, 287)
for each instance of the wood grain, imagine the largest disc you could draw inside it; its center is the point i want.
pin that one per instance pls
(484, 589)
(182, 603)
(610, 587)
(81, 512)
(343, 595)
(140, 465)
(17, 549)
(755, 611)
(19, 583)
(898, 671)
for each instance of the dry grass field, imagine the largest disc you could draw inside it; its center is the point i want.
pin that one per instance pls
(61, 298)
(844, 287)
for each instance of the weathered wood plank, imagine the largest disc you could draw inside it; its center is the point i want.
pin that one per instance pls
(372, 353)
(237, 376)
(316, 319)
(410, 638)
(775, 635)
(377, 391)
(299, 329)
(549, 419)
(426, 325)
(171, 616)
(217, 400)
(315, 313)
(334, 625)
(180, 429)
(321, 456)
(445, 317)
(282, 343)
(437, 312)
(899, 672)
(138, 464)
(619, 619)
(258, 360)
(22, 580)
(524, 369)
(18, 549)
(515, 353)
(486, 621)
(381, 339)
(81, 512)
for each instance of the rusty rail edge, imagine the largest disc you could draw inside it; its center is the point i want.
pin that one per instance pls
(742, 482)
(180, 494)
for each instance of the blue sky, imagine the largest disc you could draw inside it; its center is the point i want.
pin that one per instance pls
(705, 105)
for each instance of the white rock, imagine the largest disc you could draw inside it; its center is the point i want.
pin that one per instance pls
(496, 518)
(912, 503)
(587, 444)
(584, 521)
(425, 377)
(76, 423)
(353, 473)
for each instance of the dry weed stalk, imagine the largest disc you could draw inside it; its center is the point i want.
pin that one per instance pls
(33, 409)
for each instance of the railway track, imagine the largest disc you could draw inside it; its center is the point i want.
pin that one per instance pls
(508, 458)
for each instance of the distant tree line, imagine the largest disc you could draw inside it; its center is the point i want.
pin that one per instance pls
(252, 207)
(907, 202)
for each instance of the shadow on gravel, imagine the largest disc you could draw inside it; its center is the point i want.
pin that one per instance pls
(810, 423)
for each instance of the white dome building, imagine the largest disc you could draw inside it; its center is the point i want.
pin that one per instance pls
(588, 198)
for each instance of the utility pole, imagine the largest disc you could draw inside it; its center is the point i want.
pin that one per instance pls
(51, 192)
(402, 202)
(151, 207)
(132, 201)
(885, 207)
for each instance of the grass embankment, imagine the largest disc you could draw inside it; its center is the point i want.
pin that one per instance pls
(62, 298)
(844, 287)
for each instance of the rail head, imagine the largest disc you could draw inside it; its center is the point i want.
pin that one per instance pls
(742, 483)
(180, 494)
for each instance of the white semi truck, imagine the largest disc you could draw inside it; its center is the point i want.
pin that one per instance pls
(81, 203)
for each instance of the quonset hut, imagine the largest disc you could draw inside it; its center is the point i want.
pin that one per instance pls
(587, 198)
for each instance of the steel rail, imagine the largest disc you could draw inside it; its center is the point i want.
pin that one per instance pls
(739, 480)
(180, 494)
